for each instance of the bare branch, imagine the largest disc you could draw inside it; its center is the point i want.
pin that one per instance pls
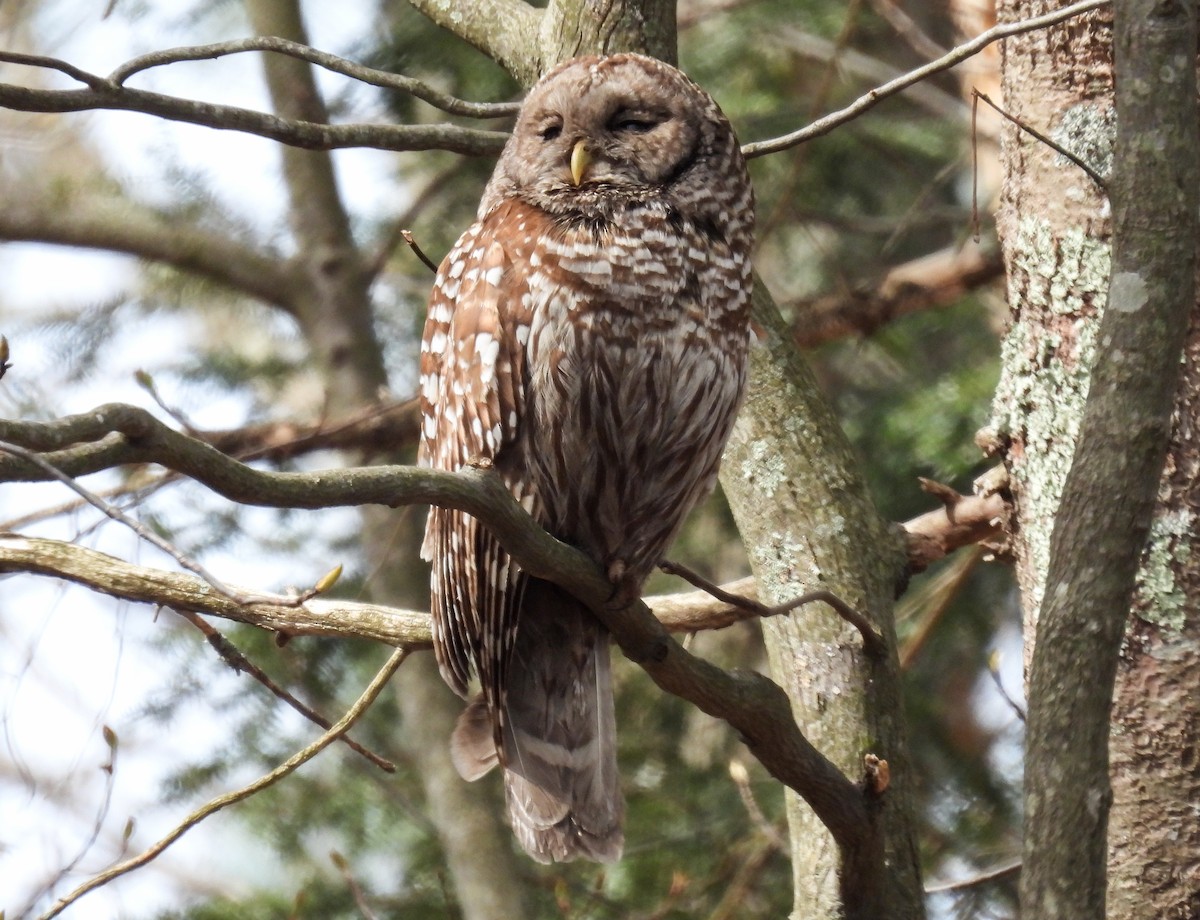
(284, 769)
(972, 519)
(872, 642)
(956, 56)
(752, 704)
(935, 280)
(331, 62)
(1007, 870)
(105, 94)
(1048, 141)
(138, 528)
(112, 576)
(690, 611)
(237, 660)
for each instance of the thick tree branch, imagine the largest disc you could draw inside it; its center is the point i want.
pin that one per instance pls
(690, 611)
(105, 94)
(752, 704)
(964, 521)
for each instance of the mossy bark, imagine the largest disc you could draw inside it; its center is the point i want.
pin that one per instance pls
(1081, 415)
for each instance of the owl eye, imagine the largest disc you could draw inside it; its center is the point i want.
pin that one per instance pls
(550, 131)
(633, 123)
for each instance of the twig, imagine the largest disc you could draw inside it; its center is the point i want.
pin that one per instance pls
(146, 382)
(975, 166)
(908, 29)
(891, 88)
(1052, 144)
(229, 798)
(95, 81)
(741, 779)
(237, 660)
(995, 874)
(116, 514)
(331, 62)
(105, 94)
(873, 643)
(377, 261)
(110, 771)
(360, 898)
(407, 236)
(993, 667)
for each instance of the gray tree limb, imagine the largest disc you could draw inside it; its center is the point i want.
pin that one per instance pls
(105, 94)
(752, 704)
(507, 31)
(1097, 544)
(690, 611)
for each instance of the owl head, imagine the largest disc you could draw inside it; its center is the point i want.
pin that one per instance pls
(598, 135)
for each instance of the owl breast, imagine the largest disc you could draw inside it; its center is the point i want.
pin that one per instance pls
(636, 350)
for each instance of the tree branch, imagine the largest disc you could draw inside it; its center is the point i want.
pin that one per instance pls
(284, 769)
(331, 62)
(690, 611)
(752, 704)
(932, 281)
(956, 56)
(105, 94)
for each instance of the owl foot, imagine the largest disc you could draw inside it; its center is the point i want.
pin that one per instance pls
(624, 591)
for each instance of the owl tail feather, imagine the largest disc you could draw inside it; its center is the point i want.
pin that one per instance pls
(558, 733)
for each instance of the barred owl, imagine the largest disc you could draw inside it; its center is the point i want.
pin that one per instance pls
(586, 338)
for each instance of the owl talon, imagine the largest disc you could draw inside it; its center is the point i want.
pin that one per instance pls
(624, 590)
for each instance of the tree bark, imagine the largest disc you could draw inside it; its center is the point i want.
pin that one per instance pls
(1097, 391)
(1154, 837)
(809, 524)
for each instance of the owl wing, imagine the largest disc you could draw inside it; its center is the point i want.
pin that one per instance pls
(472, 402)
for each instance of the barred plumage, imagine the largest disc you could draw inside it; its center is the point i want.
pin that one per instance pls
(586, 337)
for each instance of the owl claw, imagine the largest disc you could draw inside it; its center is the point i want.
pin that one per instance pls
(624, 590)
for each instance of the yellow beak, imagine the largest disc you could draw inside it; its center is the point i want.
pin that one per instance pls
(581, 158)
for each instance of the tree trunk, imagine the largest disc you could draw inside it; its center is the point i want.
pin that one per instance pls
(1056, 233)
(809, 524)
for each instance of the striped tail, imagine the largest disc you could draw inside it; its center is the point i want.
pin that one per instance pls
(557, 731)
